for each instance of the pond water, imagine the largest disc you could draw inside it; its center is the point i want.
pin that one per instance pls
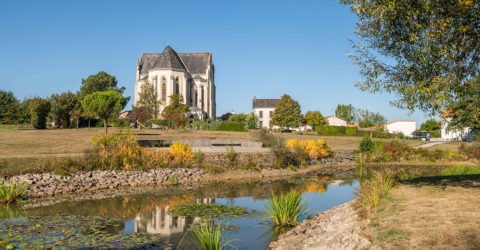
(138, 220)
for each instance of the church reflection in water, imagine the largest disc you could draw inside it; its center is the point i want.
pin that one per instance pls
(174, 229)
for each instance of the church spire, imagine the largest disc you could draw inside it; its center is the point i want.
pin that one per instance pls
(138, 63)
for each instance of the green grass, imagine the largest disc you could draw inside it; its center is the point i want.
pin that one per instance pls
(13, 193)
(459, 170)
(210, 236)
(286, 209)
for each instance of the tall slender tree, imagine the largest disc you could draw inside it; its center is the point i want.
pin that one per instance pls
(148, 100)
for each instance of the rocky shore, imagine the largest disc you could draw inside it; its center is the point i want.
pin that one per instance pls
(47, 184)
(337, 228)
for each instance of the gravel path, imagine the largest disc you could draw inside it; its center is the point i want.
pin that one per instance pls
(430, 144)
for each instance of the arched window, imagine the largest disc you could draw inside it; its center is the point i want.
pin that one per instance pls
(164, 89)
(177, 86)
(203, 97)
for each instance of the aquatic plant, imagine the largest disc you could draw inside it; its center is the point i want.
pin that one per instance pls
(286, 209)
(210, 236)
(12, 193)
(373, 190)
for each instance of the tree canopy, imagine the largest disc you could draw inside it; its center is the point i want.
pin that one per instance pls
(39, 109)
(102, 81)
(346, 113)
(430, 125)
(104, 104)
(148, 101)
(252, 121)
(365, 118)
(287, 113)
(238, 118)
(175, 112)
(315, 118)
(62, 108)
(9, 107)
(464, 111)
(421, 51)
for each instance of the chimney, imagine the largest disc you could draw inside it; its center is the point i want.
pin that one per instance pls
(254, 98)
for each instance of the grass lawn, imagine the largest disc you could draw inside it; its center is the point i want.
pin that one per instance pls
(439, 213)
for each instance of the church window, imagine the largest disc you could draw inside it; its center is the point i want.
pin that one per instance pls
(177, 90)
(164, 89)
(203, 106)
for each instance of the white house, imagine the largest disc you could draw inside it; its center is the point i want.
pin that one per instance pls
(453, 134)
(263, 109)
(405, 127)
(335, 121)
(190, 74)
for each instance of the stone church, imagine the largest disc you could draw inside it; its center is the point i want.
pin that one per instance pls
(190, 74)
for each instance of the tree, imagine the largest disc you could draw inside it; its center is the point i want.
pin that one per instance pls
(252, 121)
(9, 107)
(422, 51)
(238, 118)
(345, 112)
(175, 111)
(287, 113)
(39, 109)
(62, 107)
(430, 125)
(464, 111)
(102, 81)
(148, 100)
(104, 104)
(77, 110)
(24, 115)
(365, 118)
(315, 118)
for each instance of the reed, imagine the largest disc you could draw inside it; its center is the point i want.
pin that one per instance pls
(286, 209)
(210, 236)
(458, 170)
(12, 193)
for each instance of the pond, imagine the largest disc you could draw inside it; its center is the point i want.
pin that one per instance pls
(147, 220)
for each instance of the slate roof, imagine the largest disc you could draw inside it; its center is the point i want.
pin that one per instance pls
(195, 63)
(265, 103)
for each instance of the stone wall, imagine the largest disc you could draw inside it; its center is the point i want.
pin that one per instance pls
(239, 159)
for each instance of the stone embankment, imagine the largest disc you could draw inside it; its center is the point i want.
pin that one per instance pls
(48, 184)
(337, 228)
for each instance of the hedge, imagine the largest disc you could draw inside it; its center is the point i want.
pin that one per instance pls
(232, 126)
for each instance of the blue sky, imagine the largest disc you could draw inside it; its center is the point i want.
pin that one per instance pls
(260, 48)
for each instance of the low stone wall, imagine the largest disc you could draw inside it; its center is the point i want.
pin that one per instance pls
(239, 159)
(337, 228)
(200, 143)
(48, 184)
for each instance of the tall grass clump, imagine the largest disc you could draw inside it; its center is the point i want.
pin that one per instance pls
(13, 193)
(458, 170)
(210, 236)
(286, 209)
(373, 190)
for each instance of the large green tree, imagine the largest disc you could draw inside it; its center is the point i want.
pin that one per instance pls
(101, 81)
(346, 113)
(148, 101)
(365, 118)
(287, 113)
(62, 106)
(176, 111)
(430, 125)
(251, 121)
(104, 104)
(421, 51)
(39, 109)
(464, 111)
(9, 107)
(315, 118)
(238, 118)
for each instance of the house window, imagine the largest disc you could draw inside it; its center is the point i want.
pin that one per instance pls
(260, 114)
(271, 114)
(164, 89)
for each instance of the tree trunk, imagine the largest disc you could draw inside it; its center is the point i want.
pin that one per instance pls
(105, 124)
(88, 122)
(77, 122)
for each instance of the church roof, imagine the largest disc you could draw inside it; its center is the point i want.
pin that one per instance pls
(265, 103)
(195, 63)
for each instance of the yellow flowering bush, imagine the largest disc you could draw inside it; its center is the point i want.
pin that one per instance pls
(315, 149)
(181, 152)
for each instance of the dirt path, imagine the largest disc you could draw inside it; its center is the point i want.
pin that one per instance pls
(430, 144)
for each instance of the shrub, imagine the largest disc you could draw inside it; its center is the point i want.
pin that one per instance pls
(119, 123)
(13, 193)
(231, 157)
(181, 152)
(210, 236)
(315, 149)
(366, 145)
(372, 191)
(351, 131)
(458, 170)
(106, 140)
(232, 126)
(472, 150)
(269, 140)
(330, 130)
(286, 209)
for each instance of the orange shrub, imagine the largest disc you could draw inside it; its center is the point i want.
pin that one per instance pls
(181, 152)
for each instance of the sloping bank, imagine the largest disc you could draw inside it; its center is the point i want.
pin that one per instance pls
(337, 228)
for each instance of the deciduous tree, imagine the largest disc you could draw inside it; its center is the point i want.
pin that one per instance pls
(104, 104)
(252, 121)
(287, 113)
(345, 112)
(421, 51)
(175, 111)
(39, 109)
(148, 100)
(315, 118)
(9, 107)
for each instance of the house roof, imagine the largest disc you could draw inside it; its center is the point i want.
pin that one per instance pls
(195, 63)
(265, 103)
(388, 123)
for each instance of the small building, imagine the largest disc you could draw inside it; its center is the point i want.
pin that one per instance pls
(455, 134)
(335, 121)
(405, 127)
(263, 109)
(125, 114)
